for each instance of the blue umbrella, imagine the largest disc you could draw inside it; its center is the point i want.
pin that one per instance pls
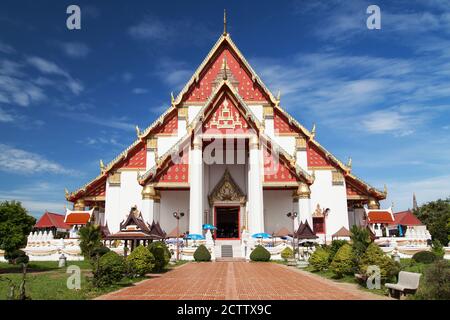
(261, 235)
(208, 227)
(194, 236)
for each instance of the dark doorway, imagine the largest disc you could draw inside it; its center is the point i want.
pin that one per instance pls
(227, 222)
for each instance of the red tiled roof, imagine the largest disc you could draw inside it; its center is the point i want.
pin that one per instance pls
(49, 220)
(407, 218)
(77, 218)
(380, 217)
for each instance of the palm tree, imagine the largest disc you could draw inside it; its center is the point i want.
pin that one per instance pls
(90, 239)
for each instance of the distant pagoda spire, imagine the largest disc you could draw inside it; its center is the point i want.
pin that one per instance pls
(415, 206)
(224, 22)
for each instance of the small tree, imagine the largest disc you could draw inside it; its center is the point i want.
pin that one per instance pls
(319, 260)
(436, 216)
(360, 239)
(202, 254)
(438, 249)
(90, 239)
(15, 225)
(342, 263)
(334, 247)
(375, 256)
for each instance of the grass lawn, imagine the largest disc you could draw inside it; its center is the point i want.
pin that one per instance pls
(46, 281)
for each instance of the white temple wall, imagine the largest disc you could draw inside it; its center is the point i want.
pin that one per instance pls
(174, 201)
(302, 159)
(327, 195)
(277, 203)
(192, 112)
(287, 143)
(120, 199)
(269, 127)
(257, 110)
(165, 143)
(150, 159)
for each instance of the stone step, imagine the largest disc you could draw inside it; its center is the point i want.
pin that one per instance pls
(226, 251)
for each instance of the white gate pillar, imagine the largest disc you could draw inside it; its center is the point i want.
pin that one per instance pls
(196, 187)
(255, 189)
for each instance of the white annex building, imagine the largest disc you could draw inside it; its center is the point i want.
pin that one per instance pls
(226, 153)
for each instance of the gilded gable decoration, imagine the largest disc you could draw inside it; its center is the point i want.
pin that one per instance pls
(226, 191)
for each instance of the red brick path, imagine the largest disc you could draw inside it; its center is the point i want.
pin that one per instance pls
(239, 280)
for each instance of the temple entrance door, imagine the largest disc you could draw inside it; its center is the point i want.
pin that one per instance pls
(227, 222)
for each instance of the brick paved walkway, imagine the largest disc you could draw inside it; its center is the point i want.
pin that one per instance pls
(239, 280)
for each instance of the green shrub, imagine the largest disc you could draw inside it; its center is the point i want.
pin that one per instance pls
(360, 237)
(287, 253)
(109, 269)
(140, 261)
(342, 263)
(161, 254)
(98, 252)
(260, 254)
(17, 257)
(319, 260)
(424, 257)
(334, 247)
(375, 256)
(438, 249)
(436, 282)
(90, 239)
(202, 254)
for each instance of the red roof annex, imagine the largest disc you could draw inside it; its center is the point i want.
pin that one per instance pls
(50, 220)
(407, 218)
(78, 217)
(380, 216)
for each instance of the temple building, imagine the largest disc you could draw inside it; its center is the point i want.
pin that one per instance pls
(227, 153)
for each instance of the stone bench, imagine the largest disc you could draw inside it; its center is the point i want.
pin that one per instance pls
(408, 282)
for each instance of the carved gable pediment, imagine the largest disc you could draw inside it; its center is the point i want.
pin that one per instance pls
(226, 191)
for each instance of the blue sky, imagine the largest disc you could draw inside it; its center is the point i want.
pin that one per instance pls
(70, 98)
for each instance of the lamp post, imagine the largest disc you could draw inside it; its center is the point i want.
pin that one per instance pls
(325, 215)
(178, 216)
(292, 215)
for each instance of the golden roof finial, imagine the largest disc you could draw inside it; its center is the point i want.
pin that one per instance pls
(313, 131)
(349, 162)
(385, 189)
(224, 22)
(279, 95)
(138, 131)
(66, 192)
(172, 99)
(102, 165)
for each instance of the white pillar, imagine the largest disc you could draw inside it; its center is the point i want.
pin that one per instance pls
(302, 195)
(150, 204)
(196, 187)
(255, 189)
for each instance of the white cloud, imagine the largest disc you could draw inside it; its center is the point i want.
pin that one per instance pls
(6, 48)
(140, 91)
(428, 189)
(49, 67)
(5, 117)
(174, 73)
(116, 123)
(14, 160)
(75, 49)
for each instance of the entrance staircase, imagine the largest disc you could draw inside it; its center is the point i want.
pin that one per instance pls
(228, 250)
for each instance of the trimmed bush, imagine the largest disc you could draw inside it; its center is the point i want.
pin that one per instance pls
(436, 282)
(438, 249)
(342, 263)
(375, 256)
(287, 253)
(319, 260)
(334, 247)
(110, 269)
(161, 254)
(260, 254)
(424, 257)
(202, 254)
(140, 261)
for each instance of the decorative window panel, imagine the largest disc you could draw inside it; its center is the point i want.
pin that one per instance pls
(337, 178)
(114, 179)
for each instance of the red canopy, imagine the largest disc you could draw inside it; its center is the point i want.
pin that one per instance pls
(406, 218)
